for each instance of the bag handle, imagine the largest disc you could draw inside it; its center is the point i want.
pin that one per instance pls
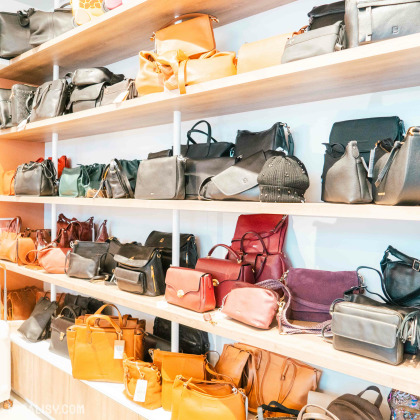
(265, 251)
(70, 309)
(275, 407)
(230, 251)
(123, 177)
(387, 167)
(304, 415)
(195, 130)
(379, 399)
(398, 254)
(91, 319)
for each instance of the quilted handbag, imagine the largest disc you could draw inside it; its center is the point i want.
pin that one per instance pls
(18, 102)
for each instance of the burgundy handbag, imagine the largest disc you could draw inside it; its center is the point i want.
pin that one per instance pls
(313, 291)
(81, 231)
(225, 272)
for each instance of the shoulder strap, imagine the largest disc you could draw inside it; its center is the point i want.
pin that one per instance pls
(124, 179)
(387, 167)
(379, 399)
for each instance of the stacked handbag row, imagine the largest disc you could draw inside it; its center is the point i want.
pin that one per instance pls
(24, 30)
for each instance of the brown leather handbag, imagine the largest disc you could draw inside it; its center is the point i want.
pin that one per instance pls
(267, 376)
(76, 230)
(20, 303)
(225, 272)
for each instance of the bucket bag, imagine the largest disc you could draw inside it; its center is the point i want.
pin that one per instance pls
(36, 178)
(120, 178)
(5, 109)
(14, 38)
(71, 184)
(18, 102)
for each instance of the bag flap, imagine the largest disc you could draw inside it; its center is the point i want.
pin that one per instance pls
(314, 34)
(142, 257)
(164, 240)
(91, 76)
(220, 269)
(61, 323)
(71, 171)
(118, 87)
(327, 9)
(184, 279)
(88, 93)
(264, 224)
(129, 275)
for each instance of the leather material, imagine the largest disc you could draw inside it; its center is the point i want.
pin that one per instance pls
(326, 15)
(261, 54)
(18, 102)
(193, 36)
(91, 346)
(188, 253)
(310, 302)
(117, 248)
(255, 306)
(120, 178)
(161, 179)
(153, 342)
(5, 108)
(14, 38)
(278, 136)
(37, 179)
(146, 275)
(368, 21)
(344, 178)
(86, 97)
(368, 331)
(313, 43)
(14, 248)
(77, 231)
(20, 303)
(84, 304)
(225, 273)
(8, 182)
(111, 93)
(36, 327)
(90, 249)
(94, 76)
(135, 370)
(53, 259)
(59, 325)
(190, 289)
(71, 183)
(81, 267)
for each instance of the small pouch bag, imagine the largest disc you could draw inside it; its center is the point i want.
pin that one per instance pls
(5, 108)
(190, 289)
(119, 92)
(161, 179)
(141, 374)
(71, 183)
(314, 43)
(18, 99)
(84, 12)
(59, 325)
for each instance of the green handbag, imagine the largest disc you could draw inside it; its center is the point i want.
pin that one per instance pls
(71, 183)
(92, 176)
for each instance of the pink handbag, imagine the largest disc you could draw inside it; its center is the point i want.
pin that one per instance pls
(52, 259)
(111, 4)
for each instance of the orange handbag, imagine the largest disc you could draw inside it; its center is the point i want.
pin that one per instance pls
(20, 303)
(147, 393)
(203, 400)
(53, 259)
(193, 35)
(97, 344)
(8, 182)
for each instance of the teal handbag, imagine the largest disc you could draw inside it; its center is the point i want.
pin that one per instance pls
(92, 176)
(71, 184)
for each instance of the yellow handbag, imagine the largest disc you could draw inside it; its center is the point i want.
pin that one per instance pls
(193, 35)
(149, 394)
(209, 66)
(216, 400)
(174, 364)
(260, 54)
(97, 344)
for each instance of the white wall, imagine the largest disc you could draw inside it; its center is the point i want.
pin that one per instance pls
(322, 243)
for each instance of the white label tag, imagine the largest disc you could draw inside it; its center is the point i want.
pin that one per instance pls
(140, 392)
(121, 97)
(22, 125)
(119, 349)
(371, 162)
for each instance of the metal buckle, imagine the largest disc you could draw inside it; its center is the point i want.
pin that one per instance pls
(416, 265)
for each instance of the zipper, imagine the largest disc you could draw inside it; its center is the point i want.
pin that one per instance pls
(153, 278)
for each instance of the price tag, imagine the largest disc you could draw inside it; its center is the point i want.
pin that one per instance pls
(22, 125)
(119, 349)
(140, 392)
(371, 162)
(121, 97)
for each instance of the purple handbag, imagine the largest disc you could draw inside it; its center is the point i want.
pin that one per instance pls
(313, 291)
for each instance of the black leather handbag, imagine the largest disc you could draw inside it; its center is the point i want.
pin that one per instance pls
(5, 108)
(37, 326)
(326, 15)
(141, 273)
(117, 248)
(278, 136)
(59, 325)
(401, 278)
(188, 253)
(120, 178)
(36, 178)
(18, 102)
(191, 341)
(14, 38)
(83, 305)
(152, 342)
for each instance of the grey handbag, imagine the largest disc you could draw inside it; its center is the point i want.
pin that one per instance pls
(81, 267)
(19, 102)
(368, 331)
(59, 325)
(49, 100)
(126, 88)
(398, 173)
(161, 179)
(86, 97)
(375, 20)
(344, 176)
(36, 178)
(14, 38)
(94, 76)
(313, 43)
(5, 108)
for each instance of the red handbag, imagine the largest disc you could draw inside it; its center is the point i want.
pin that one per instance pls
(63, 162)
(191, 289)
(225, 272)
(75, 230)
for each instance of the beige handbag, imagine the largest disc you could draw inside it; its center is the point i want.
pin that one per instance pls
(324, 414)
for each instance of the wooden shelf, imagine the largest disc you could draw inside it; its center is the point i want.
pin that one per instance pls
(346, 73)
(362, 211)
(120, 34)
(308, 348)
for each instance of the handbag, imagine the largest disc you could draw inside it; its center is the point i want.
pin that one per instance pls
(94, 76)
(59, 325)
(85, 305)
(397, 180)
(49, 100)
(261, 54)
(5, 109)
(153, 342)
(266, 376)
(369, 21)
(202, 400)
(53, 259)
(18, 100)
(36, 178)
(20, 303)
(92, 177)
(119, 92)
(120, 178)
(8, 182)
(369, 331)
(143, 383)
(316, 42)
(401, 278)
(37, 326)
(82, 267)
(97, 344)
(326, 15)
(188, 253)
(190, 289)
(225, 273)
(84, 12)
(76, 230)
(278, 136)
(14, 38)
(141, 273)
(86, 97)
(344, 176)
(305, 414)
(403, 405)
(161, 179)
(191, 340)
(354, 407)
(191, 33)
(45, 26)
(111, 4)
(71, 184)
